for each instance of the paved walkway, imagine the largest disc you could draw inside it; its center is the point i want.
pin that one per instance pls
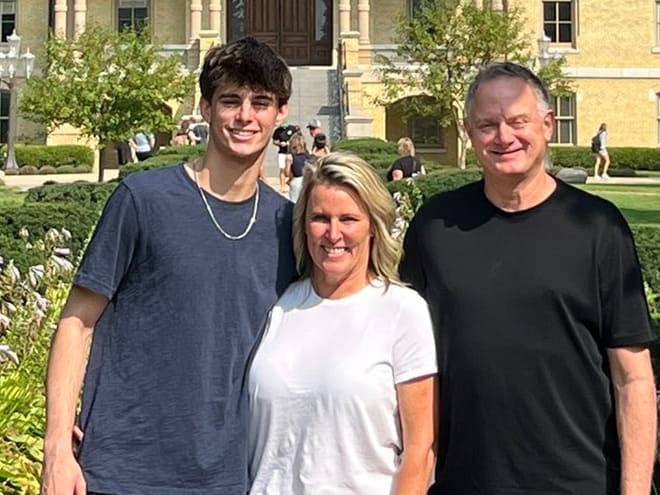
(25, 182)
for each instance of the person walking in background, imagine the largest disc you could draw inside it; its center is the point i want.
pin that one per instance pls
(281, 138)
(173, 291)
(320, 146)
(599, 147)
(314, 127)
(407, 165)
(295, 164)
(541, 322)
(342, 384)
(143, 144)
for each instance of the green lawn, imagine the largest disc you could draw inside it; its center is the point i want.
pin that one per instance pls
(639, 204)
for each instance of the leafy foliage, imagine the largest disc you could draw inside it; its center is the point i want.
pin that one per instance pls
(38, 219)
(54, 155)
(162, 160)
(440, 50)
(29, 306)
(82, 193)
(107, 84)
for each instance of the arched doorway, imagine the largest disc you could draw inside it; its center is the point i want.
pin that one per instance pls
(299, 30)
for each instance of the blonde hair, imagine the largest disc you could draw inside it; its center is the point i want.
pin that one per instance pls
(347, 170)
(297, 144)
(406, 147)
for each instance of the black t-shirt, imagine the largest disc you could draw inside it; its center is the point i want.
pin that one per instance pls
(285, 133)
(525, 306)
(409, 165)
(298, 163)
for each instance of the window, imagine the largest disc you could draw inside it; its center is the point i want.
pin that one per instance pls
(7, 18)
(426, 132)
(414, 6)
(132, 14)
(558, 21)
(4, 115)
(564, 108)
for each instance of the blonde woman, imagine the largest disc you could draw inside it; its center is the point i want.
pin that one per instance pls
(295, 164)
(342, 385)
(407, 165)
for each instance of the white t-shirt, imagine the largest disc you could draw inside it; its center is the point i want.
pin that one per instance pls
(323, 404)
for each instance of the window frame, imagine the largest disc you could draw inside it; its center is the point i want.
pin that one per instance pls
(420, 143)
(560, 117)
(657, 22)
(552, 27)
(7, 19)
(135, 23)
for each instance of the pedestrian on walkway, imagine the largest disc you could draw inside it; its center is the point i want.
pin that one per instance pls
(599, 148)
(173, 290)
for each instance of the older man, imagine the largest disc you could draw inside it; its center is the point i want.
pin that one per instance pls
(542, 325)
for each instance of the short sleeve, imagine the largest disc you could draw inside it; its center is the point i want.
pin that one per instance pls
(414, 351)
(111, 249)
(410, 269)
(625, 316)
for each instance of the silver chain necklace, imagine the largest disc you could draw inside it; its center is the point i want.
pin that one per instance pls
(252, 221)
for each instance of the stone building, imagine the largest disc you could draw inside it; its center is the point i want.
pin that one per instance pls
(613, 56)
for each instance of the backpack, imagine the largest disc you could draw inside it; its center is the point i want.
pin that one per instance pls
(595, 143)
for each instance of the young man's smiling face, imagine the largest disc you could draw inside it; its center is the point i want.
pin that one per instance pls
(241, 120)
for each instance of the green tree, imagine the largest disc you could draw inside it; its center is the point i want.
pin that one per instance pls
(107, 84)
(440, 49)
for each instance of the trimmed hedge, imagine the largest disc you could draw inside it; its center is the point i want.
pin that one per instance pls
(647, 240)
(157, 161)
(439, 180)
(83, 193)
(38, 218)
(190, 152)
(55, 156)
(366, 146)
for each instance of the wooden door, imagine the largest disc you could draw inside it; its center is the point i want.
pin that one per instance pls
(289, 26)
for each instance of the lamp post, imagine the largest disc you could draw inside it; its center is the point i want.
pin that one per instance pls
(545, 56)
(14, 66)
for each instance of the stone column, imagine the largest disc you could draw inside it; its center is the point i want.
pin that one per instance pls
(195, 19)
(60, 18)
(215, 16)
(344, 16)
(79, 17)
(363, 21)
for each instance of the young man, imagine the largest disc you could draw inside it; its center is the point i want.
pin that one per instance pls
(176, 284)
(281, 138)
(314, 127)
(542, 326)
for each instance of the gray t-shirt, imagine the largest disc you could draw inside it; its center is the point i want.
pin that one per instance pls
(164, 406)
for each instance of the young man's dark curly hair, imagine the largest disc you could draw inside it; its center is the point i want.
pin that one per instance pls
(249, 63)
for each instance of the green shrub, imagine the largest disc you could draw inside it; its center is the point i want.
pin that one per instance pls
(158, 161)
(366, 146)
(38, 218)
(66, 169)
(84, 193)
(622, 158)
(47, 169)
(438, 181)
(54, 155)
(187, 152)
(28, 170)
(82, 169)
(647, 240)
